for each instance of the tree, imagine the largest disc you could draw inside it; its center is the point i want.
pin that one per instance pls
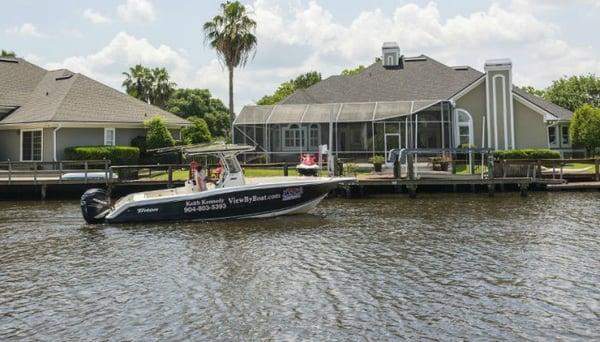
(306, 80)
(5, 53)
(533, 91)
(149, 85)
(575, 91)
(218, 123)
(284, 90)
(231, 34)
(200, 103)
(157, 133)
(584, 128)
(138, 82)
(287, 88)
(161, 87)
(197, 133)
(355, 71)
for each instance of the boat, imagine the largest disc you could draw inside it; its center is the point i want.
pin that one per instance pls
(232, 196)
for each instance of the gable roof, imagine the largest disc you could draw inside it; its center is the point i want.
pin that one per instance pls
(420, 78)
(559, 112)
(65, 96)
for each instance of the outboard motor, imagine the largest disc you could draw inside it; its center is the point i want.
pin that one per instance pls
(95, 204)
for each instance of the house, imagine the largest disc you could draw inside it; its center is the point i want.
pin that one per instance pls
(407, 102)
(43, 112)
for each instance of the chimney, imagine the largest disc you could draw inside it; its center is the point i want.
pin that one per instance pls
(390, 55)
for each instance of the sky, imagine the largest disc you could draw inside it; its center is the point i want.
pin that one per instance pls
(545, 39)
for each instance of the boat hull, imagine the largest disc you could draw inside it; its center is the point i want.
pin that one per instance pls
(253, 202)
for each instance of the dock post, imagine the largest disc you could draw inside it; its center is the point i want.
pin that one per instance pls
(170, 179)
(412, 191)
(43, 191)
(397, 170)
(490, 167)
(491, 189)
(523, 188)
(597, 170)
(410, 166)
(285, 169)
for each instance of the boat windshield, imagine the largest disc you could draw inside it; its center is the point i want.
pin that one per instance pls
(232, 164)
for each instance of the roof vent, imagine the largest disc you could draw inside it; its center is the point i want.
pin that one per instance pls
(461, 68)
(390, 54)
(9, 60)
(415, 59)
(64, 75)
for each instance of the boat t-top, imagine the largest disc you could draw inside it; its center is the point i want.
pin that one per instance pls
(232, 196)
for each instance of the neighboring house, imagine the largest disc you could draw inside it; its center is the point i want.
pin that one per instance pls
(407, 102)
(43, 112)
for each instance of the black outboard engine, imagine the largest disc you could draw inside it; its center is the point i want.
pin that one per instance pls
(95, 204)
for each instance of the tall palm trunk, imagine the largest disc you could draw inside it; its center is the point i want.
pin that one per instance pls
(231, 110)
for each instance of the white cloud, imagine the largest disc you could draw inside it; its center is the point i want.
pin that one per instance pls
(26, 29)
(499, 31)
(95, 17)
(296, 37)
(124, 51)
(136, 10)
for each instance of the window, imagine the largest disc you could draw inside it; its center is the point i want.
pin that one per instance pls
(313, 136)
(552, 140)
(464, 135)
(31, 145)
(109, 137)
(293, 138)
(565, 135)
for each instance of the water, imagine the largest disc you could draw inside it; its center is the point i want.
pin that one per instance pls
(441, 266)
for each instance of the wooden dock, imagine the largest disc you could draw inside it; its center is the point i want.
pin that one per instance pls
(576, 186)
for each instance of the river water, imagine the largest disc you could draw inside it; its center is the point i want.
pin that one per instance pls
(440, 266)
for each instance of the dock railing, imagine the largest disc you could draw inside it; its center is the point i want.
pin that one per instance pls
(39, 171)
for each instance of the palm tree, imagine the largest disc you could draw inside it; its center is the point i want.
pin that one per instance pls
(231, 34)
(138, 82)
(162, 88)
(5, 53)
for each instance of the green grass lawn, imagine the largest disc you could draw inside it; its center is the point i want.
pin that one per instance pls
(463, 169)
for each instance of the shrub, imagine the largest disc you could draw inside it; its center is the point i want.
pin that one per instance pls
(139, 142)
(529, 154)
(118, 155)
(585, 127)
(197, 133)
(157, 133)
(377, 159)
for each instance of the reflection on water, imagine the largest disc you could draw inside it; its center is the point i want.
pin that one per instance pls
(440, 266)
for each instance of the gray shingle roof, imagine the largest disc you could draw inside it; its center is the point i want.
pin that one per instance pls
(556, 110)
(64, 96)
(421, 78)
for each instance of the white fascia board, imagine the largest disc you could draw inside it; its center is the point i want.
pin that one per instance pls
(468, 88)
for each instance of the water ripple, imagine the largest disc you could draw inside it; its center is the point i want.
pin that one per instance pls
(438, 267)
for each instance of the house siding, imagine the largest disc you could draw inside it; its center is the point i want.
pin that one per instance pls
(474, 103)
(530, 128)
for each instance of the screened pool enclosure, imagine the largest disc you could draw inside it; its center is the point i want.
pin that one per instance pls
(360, 130)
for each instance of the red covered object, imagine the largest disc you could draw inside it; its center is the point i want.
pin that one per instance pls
(308, 159)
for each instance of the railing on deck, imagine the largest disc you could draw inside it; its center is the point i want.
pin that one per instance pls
(37, 171)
